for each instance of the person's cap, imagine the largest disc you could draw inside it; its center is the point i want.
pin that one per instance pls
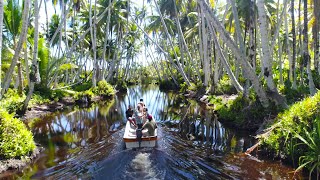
(141, 99)
(130, 118)
(149, 116)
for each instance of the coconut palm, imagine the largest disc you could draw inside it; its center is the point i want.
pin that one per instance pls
(18, 48)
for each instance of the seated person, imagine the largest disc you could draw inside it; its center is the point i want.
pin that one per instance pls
(150, 125)
(141, 103)
(139, 119)
(132, 122)
(129, 112)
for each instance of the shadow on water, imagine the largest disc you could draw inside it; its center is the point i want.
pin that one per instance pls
(192, 144)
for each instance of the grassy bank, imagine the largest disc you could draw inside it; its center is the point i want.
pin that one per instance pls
(295, 135)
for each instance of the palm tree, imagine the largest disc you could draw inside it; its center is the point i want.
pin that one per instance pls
(1, 24)
(316, 30)
(238, 54)
(306, 56)
(294, 75)
(34, 74)
(22, 38)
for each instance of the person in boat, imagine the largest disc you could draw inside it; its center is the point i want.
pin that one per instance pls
(141, 103)
(139, 116)
(129, 114)
(150, 125)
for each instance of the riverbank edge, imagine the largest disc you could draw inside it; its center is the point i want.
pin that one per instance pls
(225, 99)
(38, 111)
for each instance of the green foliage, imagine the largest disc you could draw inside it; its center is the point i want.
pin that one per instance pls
(293, 95)
(15, 139)
(104, 89)
(233, 110)
(82, 86)
(299, 126)
(38, 99)
(225, 87)
(87, 95)
(12, 101)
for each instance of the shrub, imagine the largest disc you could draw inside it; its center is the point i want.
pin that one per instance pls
(296, 133)
(104, 89)
(225, 87)
(15, 139)
(12, 101)
(82, 97)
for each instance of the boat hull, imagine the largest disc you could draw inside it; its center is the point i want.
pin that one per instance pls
(131, 140)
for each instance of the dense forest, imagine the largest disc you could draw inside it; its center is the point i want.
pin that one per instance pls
(265, 51)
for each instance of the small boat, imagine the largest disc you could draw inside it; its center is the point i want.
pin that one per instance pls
(131, 140)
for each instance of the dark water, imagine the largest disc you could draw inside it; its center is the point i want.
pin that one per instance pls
(193, 144)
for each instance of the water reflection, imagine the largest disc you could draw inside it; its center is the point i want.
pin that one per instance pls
(193, 144)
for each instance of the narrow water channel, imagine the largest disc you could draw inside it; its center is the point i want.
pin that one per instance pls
(86, 143)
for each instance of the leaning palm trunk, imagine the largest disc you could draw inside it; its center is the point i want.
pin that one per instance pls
(171, 44)
(22, 38)
(250, 74)
(105, 42)
(234, 80)
(59, 27)
(306, 55)
(1, 24)
(34, 75)
(180, 33)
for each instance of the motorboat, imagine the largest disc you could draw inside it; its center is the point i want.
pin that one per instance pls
(132, 141)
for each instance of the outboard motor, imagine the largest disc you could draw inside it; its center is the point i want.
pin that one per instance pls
(139, 136)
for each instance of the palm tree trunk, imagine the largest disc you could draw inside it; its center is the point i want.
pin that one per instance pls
(293, 67)
(288, 48)
(279, 24)
(316, 30)
(20, 77)
(250, 74)
(171, 44)
(280, 62)
(22, 38)
(95, 61)
(204, 42)
(266, 57)
(306, 55)
(106, 41)
(300, 43)
(34, 75)
(59, 27)
(65, 24)
(180, 33)
(47, 19)
(26, 61)
(1, 24)
(234, 80)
